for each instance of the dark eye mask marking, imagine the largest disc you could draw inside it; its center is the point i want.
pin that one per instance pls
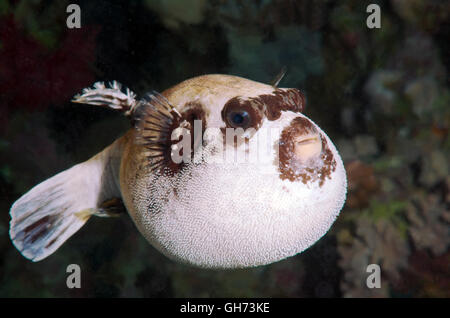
(237, 105)
(193, 111)
(282, 100)
(266, 105)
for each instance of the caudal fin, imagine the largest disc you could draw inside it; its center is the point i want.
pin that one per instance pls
(51, 212)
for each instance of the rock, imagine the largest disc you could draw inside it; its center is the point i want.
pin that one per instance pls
(429, 223)
(375, 243)
(434, 168)
(422, 92)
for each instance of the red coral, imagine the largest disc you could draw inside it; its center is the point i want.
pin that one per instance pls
(32, 77)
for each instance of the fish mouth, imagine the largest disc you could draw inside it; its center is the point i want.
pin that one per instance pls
(307, 140)
(307, 147)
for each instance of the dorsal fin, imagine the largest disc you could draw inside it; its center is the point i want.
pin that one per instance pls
(279, 77)
(153, 117)
(110, 96)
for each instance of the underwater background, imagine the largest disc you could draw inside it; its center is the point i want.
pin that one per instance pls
(382, 95)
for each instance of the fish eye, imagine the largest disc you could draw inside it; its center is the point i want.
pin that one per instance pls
(238, 118)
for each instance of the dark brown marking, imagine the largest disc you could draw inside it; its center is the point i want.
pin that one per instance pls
(38, 229)
(251, 106)
(56, 238)
(39, 223)
(51, 242)
(193, 111)
(281, 100)
(161, 161)
(320, 169)
(268, 105)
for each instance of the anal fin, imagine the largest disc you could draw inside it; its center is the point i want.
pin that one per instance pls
(111, 208)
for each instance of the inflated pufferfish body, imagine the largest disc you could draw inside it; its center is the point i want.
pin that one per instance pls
(218, 171)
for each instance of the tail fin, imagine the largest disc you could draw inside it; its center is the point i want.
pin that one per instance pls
(51, 212)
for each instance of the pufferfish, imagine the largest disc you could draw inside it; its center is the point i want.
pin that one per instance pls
(208, 211)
